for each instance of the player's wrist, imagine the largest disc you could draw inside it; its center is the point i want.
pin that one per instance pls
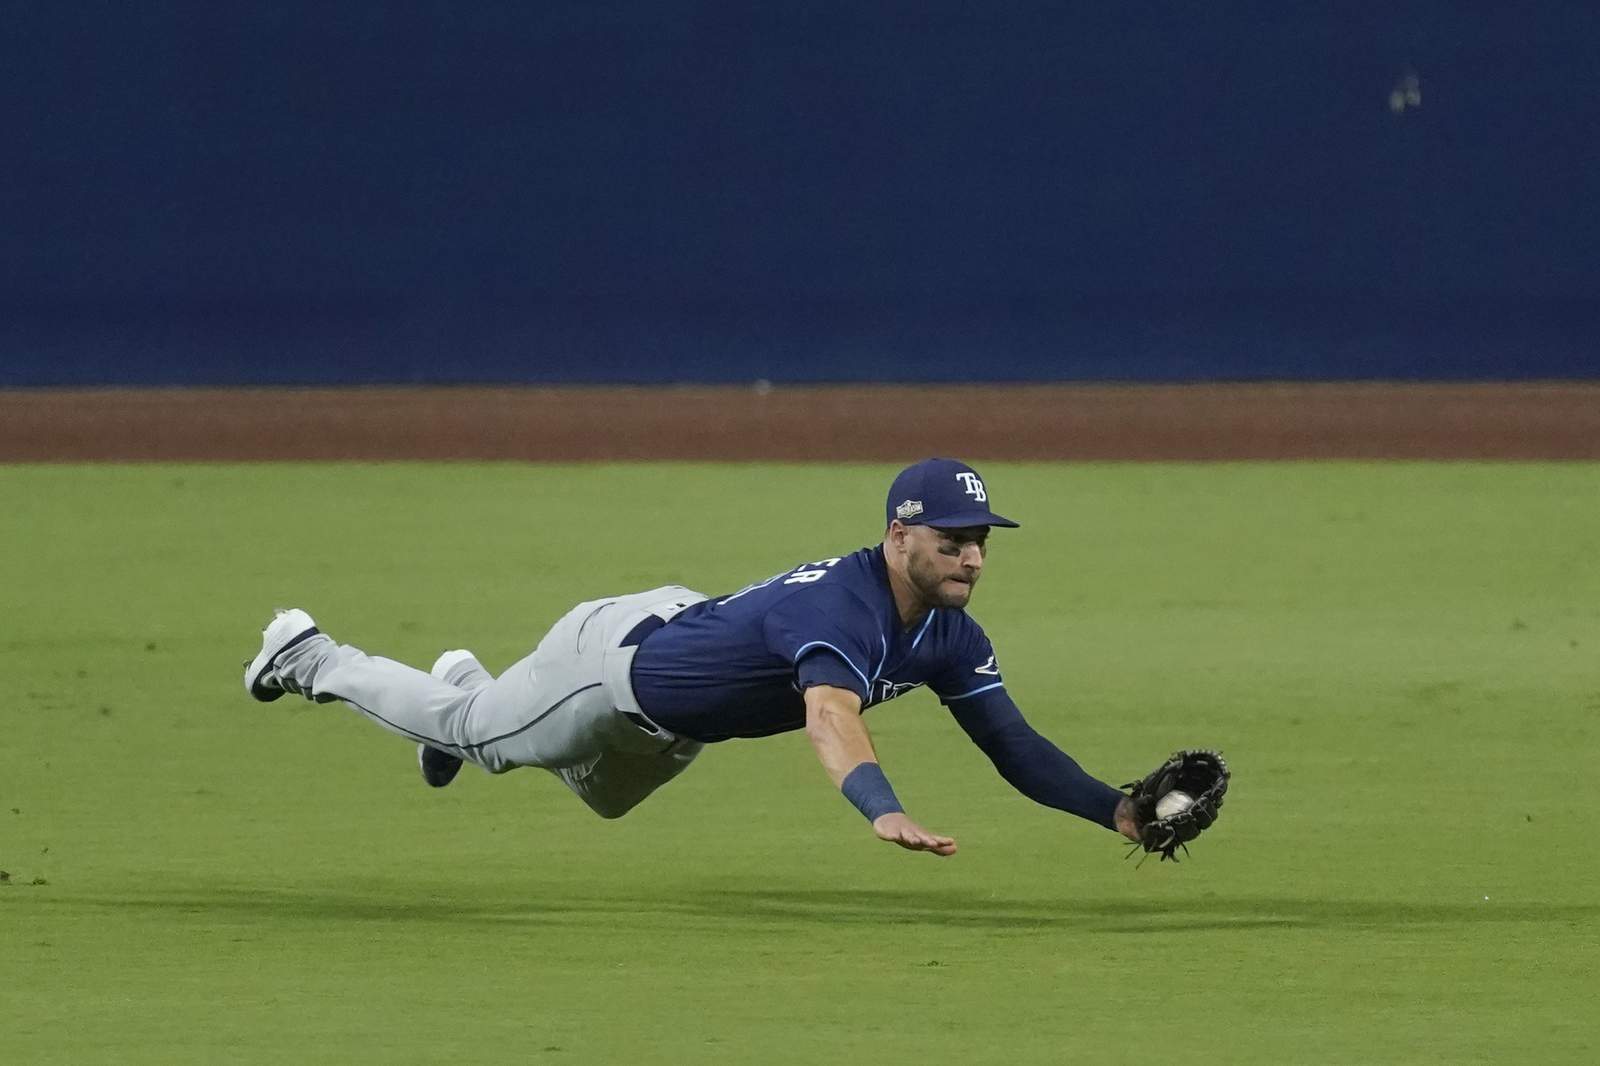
(869, 790)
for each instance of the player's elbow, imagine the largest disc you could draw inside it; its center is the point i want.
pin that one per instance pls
(826, 705)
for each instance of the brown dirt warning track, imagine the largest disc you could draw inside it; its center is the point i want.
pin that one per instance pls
(823, 423)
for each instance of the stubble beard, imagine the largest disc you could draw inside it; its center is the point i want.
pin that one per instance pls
(929, 584)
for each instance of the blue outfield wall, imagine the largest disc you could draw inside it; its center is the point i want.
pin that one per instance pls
(232, 193)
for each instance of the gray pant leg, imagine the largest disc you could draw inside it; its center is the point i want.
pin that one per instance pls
(615, 782)
(398, 697)
(553, 709)
(538, 713)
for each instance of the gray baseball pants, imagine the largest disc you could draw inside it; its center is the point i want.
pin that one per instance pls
(569, 707)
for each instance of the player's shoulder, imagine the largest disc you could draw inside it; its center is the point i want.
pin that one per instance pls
(954, 631)
(848, 583)
(828, 599)
(955, 620)
(959, 659)
(842, 583)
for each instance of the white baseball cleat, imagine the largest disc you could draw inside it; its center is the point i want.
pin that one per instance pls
(287, 628)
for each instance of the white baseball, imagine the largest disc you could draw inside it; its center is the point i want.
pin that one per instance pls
(1173, 802)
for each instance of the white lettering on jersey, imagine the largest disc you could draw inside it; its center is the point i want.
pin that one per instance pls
(991, 668)
(973, 485)
(803, 574)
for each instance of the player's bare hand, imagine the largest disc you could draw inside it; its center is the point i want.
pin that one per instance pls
(898, 829)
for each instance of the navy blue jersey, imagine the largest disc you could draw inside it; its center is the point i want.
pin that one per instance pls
(736, 665)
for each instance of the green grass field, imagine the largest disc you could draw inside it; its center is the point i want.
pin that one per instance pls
(1402, 663)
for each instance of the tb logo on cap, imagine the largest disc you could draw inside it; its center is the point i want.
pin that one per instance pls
(973, 485)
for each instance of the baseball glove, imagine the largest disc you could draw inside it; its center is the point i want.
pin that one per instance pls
(1201, 774)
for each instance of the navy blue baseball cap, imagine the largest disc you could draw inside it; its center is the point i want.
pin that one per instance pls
(943, 493)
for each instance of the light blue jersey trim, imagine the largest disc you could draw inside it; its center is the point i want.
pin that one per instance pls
(879, 671)
(974, 692)
(921, 631)
(824, 644)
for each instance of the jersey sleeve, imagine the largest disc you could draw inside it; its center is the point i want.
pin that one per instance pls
(1031, 764)
(828, 636)
(968, 665)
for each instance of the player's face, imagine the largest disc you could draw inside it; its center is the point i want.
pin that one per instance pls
(945, 564)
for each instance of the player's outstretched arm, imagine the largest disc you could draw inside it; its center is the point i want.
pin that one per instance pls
(842, 743)
(1037, 768)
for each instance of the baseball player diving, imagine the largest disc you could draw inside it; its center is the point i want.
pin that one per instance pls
(623, 693)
